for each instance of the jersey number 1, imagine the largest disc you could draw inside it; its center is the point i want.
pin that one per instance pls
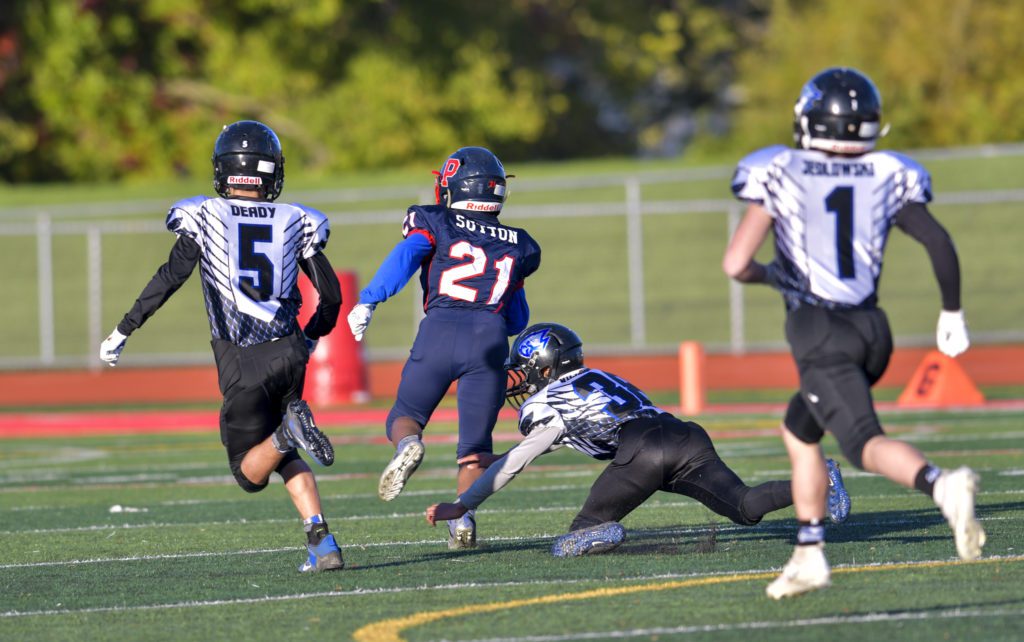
(477, 265)
(840, 203)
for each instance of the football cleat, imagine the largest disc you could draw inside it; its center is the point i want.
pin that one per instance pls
(954, 493)
(807, 570)
(838, 498)
(301, 432)
(325, 556)
(462, 533)
(400, 469)
(589, 541)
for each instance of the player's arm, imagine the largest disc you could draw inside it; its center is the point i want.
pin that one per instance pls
(517, 312)
(738, 262)
(168, 278)
(541, 439)
(321, 275)
(915, 219)
(392, 275)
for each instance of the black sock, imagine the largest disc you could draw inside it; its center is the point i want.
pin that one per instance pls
(924, 481)
(810, 533)
(316, 529)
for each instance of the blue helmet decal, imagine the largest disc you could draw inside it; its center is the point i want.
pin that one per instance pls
(533, 342)
(808, 95)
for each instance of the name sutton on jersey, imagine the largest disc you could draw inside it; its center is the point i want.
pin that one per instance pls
(500, 233)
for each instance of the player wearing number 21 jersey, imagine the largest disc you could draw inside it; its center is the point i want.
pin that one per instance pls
(472, 269)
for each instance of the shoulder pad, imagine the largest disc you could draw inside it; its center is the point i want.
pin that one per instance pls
(183, 216)
(752, 170)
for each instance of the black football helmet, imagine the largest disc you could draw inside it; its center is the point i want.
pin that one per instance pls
(839, 111)
(471, 179)
(539, 355)
(247, 155)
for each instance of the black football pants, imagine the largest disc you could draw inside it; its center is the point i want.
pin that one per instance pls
(665, 453)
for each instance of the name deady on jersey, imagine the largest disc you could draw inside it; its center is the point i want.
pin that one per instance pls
(256, 211)
(496, 231)
(838, 168)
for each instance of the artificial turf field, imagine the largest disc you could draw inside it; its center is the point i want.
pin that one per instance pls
(189, 556)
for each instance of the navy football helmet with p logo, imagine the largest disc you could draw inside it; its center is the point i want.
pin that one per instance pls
(839, 111)
(247, 155)
(471, 179)
(539, 355)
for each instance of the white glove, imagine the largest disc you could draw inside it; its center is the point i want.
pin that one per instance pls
(110, 349)
(951, 334)
(359, 319)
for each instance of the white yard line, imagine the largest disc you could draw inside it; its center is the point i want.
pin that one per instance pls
(436, 587)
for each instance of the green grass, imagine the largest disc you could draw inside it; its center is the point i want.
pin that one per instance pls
(202, 560)
(583, 279)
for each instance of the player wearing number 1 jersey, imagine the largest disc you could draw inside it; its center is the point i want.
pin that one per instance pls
(472, 269)
(249, 250)
(831, 203)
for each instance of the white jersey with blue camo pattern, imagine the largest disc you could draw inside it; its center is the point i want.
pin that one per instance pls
(591, 406)
(832, 216)
(249, 262)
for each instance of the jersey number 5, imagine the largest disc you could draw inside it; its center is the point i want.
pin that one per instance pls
(262, 287)
(476, 266)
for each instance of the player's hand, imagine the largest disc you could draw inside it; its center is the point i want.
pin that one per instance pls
(951, 334)
(110, 349)
(444, 511)
(482, 460)
(359, 319)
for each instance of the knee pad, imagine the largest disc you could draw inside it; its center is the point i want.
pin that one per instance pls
(800, 422)
(852, 444)
(243, 481)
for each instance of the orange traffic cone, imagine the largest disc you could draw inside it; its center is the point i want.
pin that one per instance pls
(940, 382)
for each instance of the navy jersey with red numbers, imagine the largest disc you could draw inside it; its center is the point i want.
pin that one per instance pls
(476, 262)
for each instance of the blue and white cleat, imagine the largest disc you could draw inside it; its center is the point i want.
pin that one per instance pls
(400, 469)
(325, 556)
(838, 498)
(589, 541)
(462, 533)
(301, 431)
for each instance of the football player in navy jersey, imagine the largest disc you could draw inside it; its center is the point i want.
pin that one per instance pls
(831, 203)
(561, 402)
(249, 250)
(472, 269)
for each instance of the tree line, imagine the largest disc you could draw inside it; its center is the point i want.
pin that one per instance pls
(111, 89)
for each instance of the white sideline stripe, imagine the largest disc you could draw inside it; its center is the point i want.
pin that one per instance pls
(682, 504)
(868, 618)
(439, 587)
(634, 534)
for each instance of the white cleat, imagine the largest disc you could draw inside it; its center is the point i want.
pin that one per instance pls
(462, 533)
(400, 469)
(954, 493)
(807, 570)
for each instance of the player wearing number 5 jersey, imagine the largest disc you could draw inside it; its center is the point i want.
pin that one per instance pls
(472, 269)
(249, 250)
(831, 203)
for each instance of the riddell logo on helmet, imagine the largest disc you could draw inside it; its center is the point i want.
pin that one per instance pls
(481, 207)
(451, 166)
(244, 180)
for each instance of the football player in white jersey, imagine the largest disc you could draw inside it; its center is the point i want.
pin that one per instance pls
(249, 250)
(831, 202)
(604, 416)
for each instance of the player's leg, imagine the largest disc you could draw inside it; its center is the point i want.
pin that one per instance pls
(480, 359)
(636, 473)
(426, 377)
(695, 470)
